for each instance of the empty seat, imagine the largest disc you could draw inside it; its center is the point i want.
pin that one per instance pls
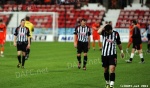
(141, 15)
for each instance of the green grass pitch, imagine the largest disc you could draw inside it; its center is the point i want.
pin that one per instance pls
(54, 65)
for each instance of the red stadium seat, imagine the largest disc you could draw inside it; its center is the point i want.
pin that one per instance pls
(122, 25)
(141, 15)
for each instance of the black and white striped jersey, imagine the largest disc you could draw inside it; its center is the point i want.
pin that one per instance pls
(109, 43)
(83, 32)
(22, 34)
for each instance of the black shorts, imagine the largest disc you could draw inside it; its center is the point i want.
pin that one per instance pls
(82, 47)
(109, 60)
(21, 46)
(136, 46)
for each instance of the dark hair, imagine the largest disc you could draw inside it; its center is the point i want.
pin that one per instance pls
(22, 20)
(27, 18)
(83, 19)
(108, 27)
(110, 22)
(134, 21)
(1, 20)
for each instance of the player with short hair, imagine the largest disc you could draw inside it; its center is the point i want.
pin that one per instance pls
(22, 41)
(110, 38)
(110, 23)
(148, 36)
(82, 42)
(96, 36)
(130, 35)
(137, 41)
(30, 26)
(2, 37)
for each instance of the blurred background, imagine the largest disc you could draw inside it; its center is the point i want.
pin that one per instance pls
(55, 20)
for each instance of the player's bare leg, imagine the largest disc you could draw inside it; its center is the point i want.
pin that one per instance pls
(85, 61)
(79, 60)
(106, 76)
(112, 75)
(141, 56)
(23, 59)
(93, 44)
(19, 59)
(128, 46)
(131, 56)
(2, 50)
(100, 45)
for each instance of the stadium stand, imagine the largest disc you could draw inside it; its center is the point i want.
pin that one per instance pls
(41, 21)
(132, 13)
(6, 18)
(67, 14)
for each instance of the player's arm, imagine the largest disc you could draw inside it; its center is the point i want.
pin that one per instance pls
(75, 40)
(94, 27)
(28, 35)
(118, 41)
(145, 30)
(89, 39)
(5, 33)
(100, 30)
(75, 37)
(119, 44)
(15, 37)
(32, 28)
(120, 47)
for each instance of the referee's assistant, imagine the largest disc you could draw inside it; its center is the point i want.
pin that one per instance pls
(82, 42)
(21, 40)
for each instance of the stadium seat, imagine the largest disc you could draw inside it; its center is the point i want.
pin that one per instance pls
(71, 14)
(6, 18)
(127, 15)
(122, 25)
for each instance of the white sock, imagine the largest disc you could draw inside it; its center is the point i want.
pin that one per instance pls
(107, 82)
(141, 55)
(1, 52)
(112, 83)
(132, 55)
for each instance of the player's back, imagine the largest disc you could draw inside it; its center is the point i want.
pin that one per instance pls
(136, 35)
(95, 25)
(30, 26)
(2, 30)
(138, 25)
(130, 30)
